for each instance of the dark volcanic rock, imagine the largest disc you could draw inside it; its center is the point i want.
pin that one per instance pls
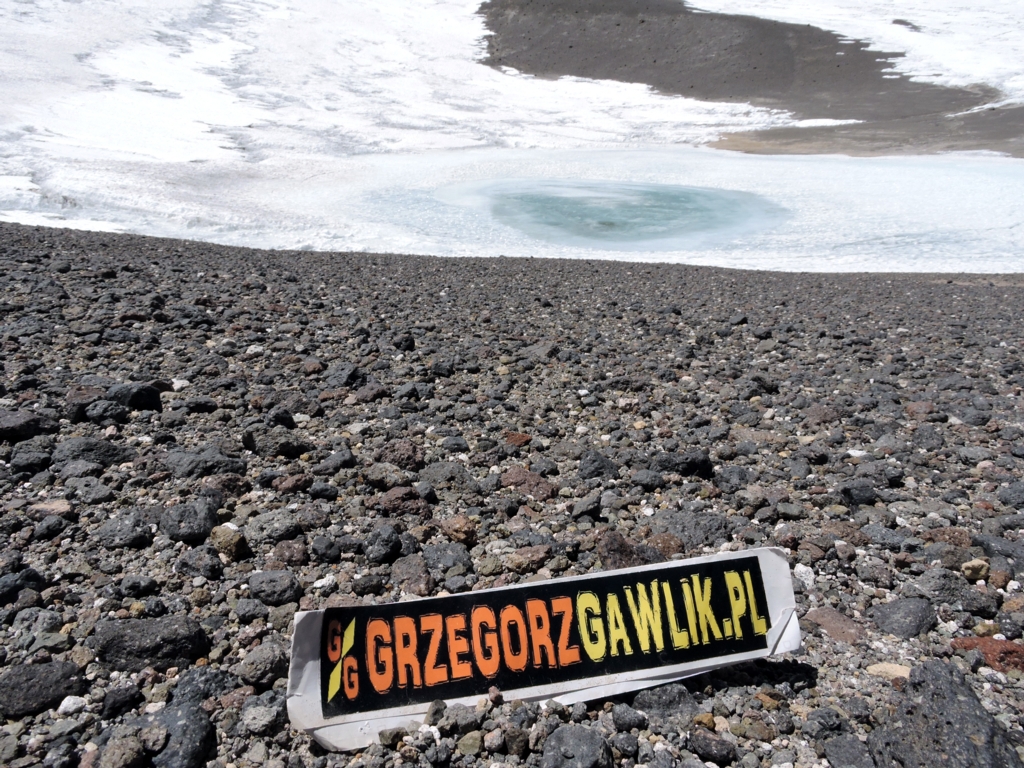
(904, 618)
(133, 644)
(710, 746)
(858, 492)
(338, 460)
(12, 583)
(263, 665)
(190, 523)
(573, 746)
(616, 551)
(191, 737)
(16, 426)
(594, 464)
(383, 544)
(691, 462)
(694, 529)
(732, 478)
(27, 690)
(626, 718)
(272, 527)
(121, 699)
(449, 474)
(665, 701)
(127, 530)
(275, 587)
(102, 452)
(277, 441)
(848, 751)
(940, 715)
(1013, 495)
(209, 461)
(136, 396)
(201, 561)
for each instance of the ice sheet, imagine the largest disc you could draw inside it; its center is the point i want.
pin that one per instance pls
(286, 124)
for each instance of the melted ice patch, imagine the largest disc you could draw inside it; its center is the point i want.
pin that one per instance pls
(619, 216)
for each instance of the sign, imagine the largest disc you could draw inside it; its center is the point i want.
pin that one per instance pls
(357, 670)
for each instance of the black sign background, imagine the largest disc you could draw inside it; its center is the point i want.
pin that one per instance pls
(612, 582)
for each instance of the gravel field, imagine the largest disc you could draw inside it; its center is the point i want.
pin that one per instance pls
(196, 441)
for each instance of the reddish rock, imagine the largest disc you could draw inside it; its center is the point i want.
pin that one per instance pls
(291, 552)
(528, 559)
(1001, 655)
(813, 551)
(78, 398)
(293, 483)
(410, 574)
(919, 409)
(460, 529)
(819, 414)
(958, 537)
(836, 625)
(341, 600)
(369, 393)
(528, 482)
(404, 454)
(667, 543)
(237, 697)
(518, 439)
(999, 579)
(845, 531)
(232, 485)
(402, 500)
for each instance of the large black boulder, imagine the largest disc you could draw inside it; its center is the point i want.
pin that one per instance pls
(940, 716)
(130, 645)
(18, 425)
(27, 689)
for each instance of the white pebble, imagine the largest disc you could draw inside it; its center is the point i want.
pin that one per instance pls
(804, 575)
(71, 705)
(326, 581)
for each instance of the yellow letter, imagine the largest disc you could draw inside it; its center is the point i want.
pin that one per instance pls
(737, 599)
(617, 634)
(646, 616)
(760, 625)
(691, 613)
(680, 637)
(702, 598)
(588, 613)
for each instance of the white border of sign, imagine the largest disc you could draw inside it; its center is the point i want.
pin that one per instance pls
(358, 730)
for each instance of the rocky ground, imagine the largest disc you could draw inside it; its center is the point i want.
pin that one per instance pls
(196, 441)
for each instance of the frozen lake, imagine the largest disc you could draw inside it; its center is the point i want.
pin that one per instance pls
(344, 125)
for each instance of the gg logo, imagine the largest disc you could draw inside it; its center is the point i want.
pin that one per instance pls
(346, 668)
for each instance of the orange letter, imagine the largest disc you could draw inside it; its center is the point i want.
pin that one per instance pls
(350, 676)
(405, 652)
(510, 615)
(540, 632)
(380, 660)
(334, 641)
(433, 673)
(457, 646)
(567, 654)
(485, 644)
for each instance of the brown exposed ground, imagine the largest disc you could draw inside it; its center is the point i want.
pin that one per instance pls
(810, 72)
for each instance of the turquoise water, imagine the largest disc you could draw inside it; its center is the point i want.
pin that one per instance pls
(626, 216)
